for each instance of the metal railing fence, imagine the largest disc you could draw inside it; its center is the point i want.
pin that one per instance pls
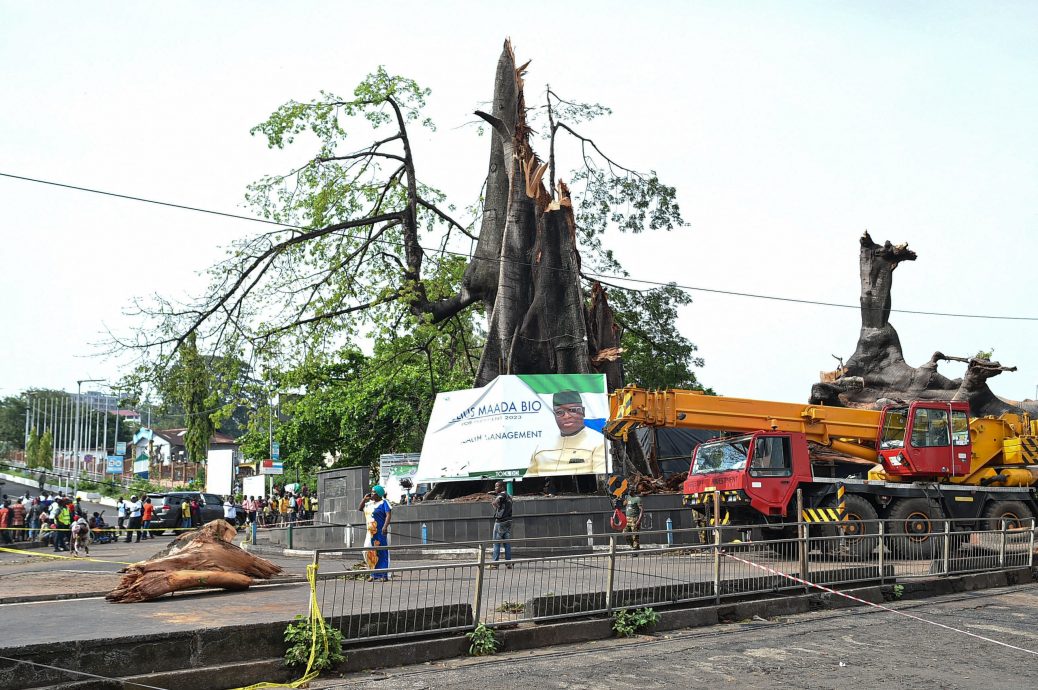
(427, 595)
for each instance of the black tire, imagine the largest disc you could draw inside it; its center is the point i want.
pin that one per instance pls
(1016, 513)
(860, 527)
(916, 526)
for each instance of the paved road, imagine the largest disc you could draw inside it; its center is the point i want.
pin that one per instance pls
(852, 648)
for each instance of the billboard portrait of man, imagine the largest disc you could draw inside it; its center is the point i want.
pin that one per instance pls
(576, 449)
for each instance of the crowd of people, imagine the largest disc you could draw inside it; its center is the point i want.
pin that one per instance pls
(279, 509)
(52, 519)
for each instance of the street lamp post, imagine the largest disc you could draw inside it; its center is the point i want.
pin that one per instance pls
(79, 395)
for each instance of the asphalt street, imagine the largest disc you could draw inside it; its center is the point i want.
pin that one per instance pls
(850, 648)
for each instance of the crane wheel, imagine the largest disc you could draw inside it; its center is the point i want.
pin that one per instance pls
(1016, 514)
(859, 527)
(915, 528)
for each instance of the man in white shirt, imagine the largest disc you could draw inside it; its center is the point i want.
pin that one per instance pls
(134, 509)
(230, 512)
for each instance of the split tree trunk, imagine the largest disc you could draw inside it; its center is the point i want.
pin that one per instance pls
(877, 372)
(526, 267)
(203, 558)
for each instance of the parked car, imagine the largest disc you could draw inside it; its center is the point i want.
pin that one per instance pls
(167, 508)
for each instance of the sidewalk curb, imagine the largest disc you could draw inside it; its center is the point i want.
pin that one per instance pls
(217, 661)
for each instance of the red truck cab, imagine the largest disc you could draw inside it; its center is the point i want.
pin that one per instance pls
(761, 471)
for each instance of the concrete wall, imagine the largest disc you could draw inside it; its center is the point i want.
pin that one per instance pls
(450, 522)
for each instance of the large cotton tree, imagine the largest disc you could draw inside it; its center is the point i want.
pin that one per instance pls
(363, 248)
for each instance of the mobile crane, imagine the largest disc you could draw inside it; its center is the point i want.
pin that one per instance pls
(915, 464)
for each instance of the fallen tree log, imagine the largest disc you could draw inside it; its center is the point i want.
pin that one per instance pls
(201, 558)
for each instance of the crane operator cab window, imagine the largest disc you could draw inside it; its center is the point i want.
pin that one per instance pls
(960, 428)
(930, 428)
(771, 457)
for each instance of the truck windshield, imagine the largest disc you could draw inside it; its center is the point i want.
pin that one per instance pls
(722, 456)
(894, 428)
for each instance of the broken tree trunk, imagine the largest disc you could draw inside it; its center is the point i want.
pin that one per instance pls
(526, 266)
(202, 558)
(877, 372)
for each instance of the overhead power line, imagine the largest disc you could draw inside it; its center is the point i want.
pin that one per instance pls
(628, 279)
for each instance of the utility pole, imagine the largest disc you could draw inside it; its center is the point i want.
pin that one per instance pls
(25, 441)
(79, 393)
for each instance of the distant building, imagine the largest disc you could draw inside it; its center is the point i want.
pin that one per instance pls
(168, 445)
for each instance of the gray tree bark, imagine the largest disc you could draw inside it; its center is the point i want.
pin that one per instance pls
(877, 372)
(526, 268)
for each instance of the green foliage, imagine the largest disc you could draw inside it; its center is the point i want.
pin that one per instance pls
(45, 452)
(32, 448)
(898, 590)
(627, 623)
(12, 424)
(655, 354)
(302, 639)
(360, 266)
(484, 642)
(985, 354)
(511, 607)
(355, 407)
(190, 383)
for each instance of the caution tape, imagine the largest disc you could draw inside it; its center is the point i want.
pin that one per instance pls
(316, 622)
(874, 605)
(61, 556)
(105, 529)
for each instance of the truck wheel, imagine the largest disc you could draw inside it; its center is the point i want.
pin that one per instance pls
(860, 527)
(1015, 513)
(915, 528)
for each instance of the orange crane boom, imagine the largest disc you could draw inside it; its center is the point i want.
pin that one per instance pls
(847, 430)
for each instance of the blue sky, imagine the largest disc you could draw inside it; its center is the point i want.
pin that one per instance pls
(788, 129)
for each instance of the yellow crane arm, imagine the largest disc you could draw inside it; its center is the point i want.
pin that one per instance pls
(837, 427)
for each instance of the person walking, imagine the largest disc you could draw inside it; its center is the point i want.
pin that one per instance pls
(502, 504)
(147, 512)
(62, 525)
(377, 514)
(135, 508)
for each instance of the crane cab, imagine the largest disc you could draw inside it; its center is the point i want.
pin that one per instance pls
(925, 440)
(753, 472)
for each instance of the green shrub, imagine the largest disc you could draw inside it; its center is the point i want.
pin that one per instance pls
(300, 636)
(484, 642)
(627, 623)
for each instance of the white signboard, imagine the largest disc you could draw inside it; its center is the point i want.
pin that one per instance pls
(518, 426)
(254, 486)
(219, 472)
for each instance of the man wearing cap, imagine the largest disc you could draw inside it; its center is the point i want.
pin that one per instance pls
(577, 449)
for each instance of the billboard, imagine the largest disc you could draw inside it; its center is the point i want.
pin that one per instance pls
(532, 425)
(114, 464)
(219, 472)
(254, 486)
